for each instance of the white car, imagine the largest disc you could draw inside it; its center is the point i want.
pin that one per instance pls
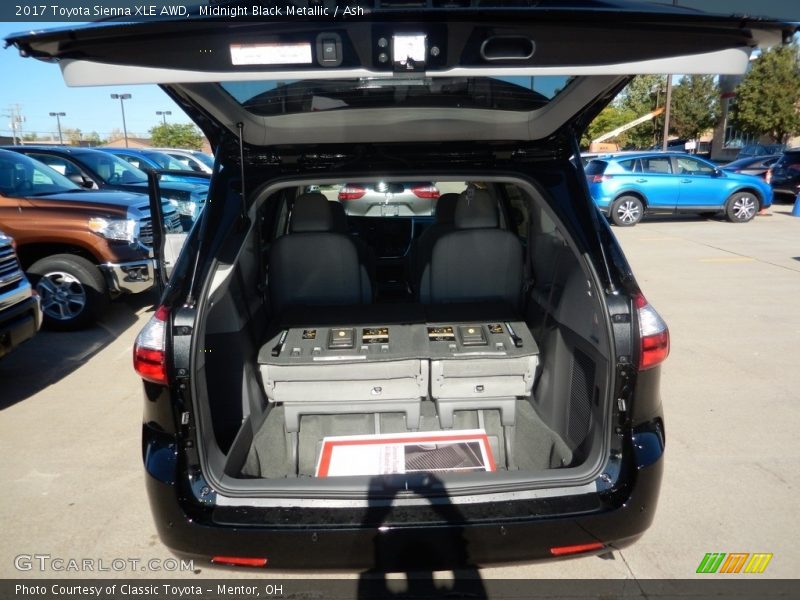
(193, 159)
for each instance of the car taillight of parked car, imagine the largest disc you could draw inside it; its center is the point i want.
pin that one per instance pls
(351, 192)
(599, 178)
(653, 334)
(149, 350)
(768, 176)
(428, 192)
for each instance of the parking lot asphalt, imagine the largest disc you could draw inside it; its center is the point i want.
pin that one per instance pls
(70, 419)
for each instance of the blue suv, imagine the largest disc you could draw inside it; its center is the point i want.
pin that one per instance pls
(628, 185)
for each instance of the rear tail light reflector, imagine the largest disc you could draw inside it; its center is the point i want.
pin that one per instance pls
(149, 350)
(429, 192)
(599, 178)
(653, 333)
(768, 176)
(351, 192)
(239, 561)
(576, 549)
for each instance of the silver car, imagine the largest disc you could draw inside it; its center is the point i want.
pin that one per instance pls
(385, 199)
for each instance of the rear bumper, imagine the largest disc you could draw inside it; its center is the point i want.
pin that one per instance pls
(129, 277)
(439, 535)
(19, 323)
(785, 191)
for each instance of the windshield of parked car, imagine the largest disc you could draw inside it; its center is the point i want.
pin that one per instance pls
(111, 169)
(23, 176)
(165, 161)
(205, 159)
(268, 98)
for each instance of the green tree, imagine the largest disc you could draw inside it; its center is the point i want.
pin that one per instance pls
(72, 135)
(695, 106)
(609, 119)
(177, 135)
(93, 138)
(30, 137)
(642, 95)
(767, 99)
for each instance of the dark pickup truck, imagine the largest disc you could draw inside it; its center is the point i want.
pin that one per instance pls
(20, 313)
(79, 248)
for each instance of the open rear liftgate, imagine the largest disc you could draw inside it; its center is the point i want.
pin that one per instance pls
(363, 369)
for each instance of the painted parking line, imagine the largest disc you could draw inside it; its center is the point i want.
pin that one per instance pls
(663, 238)
(728, 259)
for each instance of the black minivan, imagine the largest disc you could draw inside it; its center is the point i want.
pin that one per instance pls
(481, 385)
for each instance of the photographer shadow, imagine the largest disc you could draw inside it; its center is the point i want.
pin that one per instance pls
(399, 547)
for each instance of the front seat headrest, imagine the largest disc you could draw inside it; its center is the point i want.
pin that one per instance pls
(446, 208)
(311, 213)
(476, 209)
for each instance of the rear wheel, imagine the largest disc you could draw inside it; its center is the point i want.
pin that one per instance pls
(72, 290)
(741, 207)
(627, 211)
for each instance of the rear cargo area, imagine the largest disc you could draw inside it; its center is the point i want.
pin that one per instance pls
(385, 371)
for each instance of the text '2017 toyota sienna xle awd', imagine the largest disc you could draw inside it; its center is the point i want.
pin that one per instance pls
(473, 383)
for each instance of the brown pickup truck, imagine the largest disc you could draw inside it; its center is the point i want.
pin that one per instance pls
(79, 248)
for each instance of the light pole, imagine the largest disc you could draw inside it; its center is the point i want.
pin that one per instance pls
(163, 114)
(668, 102)
(122, 98)
(58, 116)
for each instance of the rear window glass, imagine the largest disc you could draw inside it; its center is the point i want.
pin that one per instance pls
(596, 167)
(268, 98)
(660, 164)
(391, 199)
(628, 165)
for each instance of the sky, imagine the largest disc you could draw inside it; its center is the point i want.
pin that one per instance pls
(39, 90)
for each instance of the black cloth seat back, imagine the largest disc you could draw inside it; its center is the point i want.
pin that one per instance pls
(477, 261)
(339, 217)
(365, 253)
(421, 251)
(314, 265)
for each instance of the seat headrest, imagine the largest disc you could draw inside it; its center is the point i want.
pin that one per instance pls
(311, 213)
(476, 209)
(446, 208)
(339, 216)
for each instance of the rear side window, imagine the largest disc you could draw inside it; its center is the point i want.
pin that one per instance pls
(791, 161)
(690, 166)
(628, 165)
(135, 162)
(596, 167)
(64, 167)
(657, 164)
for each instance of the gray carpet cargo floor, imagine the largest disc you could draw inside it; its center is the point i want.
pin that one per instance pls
(535, 446)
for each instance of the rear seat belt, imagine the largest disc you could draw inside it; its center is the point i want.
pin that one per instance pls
(549, 304)
(527, 273)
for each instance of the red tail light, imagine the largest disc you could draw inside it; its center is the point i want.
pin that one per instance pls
(654, 334)
(149, 350)
(576, 549)
(429, 192)
(239, 561)
(599, 178)
(768, 176)
(351, 192)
